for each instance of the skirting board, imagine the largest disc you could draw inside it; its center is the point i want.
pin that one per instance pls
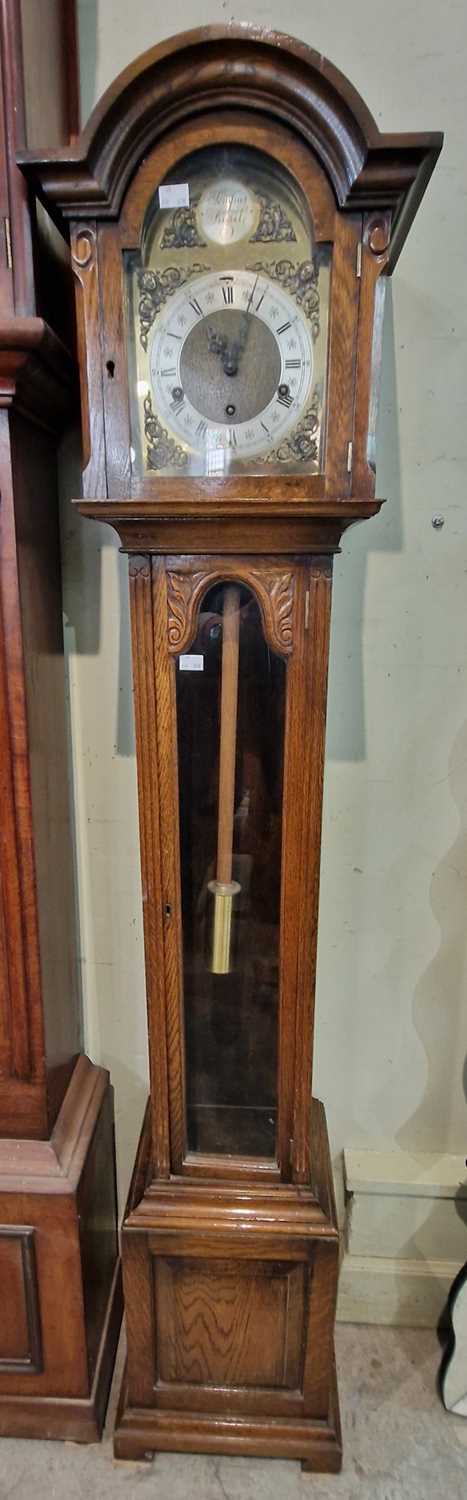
(405, 1234)
(404, 1293)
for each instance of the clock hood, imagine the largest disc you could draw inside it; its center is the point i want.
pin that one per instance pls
(234, 68)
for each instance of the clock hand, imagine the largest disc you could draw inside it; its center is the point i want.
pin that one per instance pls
(219, 344)
(230, 352)
(231, 359)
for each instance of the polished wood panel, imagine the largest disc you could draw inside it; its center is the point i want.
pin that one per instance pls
(227, 1323)
(36, 856)
(64, 1257)
(20, 1329)
(49, 45)
(39, 84)
(59, 1269)
(154, 906)
(39, 1003)
(39, 584)
(219, 1284)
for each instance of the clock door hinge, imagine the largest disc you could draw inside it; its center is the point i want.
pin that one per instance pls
(8, 254)
(349, 457)
(358, 267)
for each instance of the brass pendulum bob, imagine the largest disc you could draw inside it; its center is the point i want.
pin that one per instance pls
(223, 887)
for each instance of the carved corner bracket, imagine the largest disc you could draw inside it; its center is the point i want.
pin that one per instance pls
(273, 587)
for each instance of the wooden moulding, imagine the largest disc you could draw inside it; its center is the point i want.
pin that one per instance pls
(238, 67)
(37, 374)
(219, 1279)
(59, 1269)
(269, 529)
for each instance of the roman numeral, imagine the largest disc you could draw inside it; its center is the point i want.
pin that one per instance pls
(169, 372)
(228, 293)
(284, 327)
(232, 436)
(258, 304)
(176, 406)
(285, 400)
(293, 364)
(197, 309)
(265, 429)
(201, 429)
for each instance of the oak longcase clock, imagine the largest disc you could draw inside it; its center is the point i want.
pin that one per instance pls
(233, 211)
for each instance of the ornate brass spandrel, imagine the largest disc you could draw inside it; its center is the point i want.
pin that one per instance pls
(274, 225)
(155, 287)
(301, 445)
(300, 280)
(162, 449)
(181, 231)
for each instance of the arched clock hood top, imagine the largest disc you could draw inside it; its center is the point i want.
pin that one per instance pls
(236, 67)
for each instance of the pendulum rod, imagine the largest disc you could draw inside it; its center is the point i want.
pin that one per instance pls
(224, 888)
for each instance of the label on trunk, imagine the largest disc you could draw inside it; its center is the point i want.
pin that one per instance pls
(191, 663)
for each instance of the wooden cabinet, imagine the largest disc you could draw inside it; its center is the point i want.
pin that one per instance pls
(56, 1117)
(233, 211)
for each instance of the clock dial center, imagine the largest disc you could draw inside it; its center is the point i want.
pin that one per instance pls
(230, 358)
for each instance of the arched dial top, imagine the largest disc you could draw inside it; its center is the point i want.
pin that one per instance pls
(229, 317)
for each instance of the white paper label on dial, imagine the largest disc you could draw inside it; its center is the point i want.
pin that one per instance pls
(191, 663)
(174, 195)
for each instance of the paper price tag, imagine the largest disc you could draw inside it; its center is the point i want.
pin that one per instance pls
(174, 195)
(192, 663)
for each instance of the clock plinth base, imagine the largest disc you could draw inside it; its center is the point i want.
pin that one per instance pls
(140, 1434)
(59, 1263)
(230, 1295)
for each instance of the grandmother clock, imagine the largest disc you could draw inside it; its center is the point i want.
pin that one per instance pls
(58, 1225)
(232, 210)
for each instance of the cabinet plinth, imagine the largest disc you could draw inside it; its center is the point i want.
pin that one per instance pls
(230, 1297)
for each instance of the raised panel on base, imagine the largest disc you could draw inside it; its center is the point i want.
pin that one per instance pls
(20, 1333)
(228, 1323)
(60, 1283)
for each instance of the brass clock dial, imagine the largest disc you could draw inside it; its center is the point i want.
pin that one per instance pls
(229, 310)
(231, 363)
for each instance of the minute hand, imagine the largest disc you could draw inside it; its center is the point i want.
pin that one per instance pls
(245, 324)
(232, 352)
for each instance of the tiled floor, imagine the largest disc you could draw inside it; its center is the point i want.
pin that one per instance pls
(399, 1443)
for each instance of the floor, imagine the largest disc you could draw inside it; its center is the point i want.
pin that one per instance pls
(399, 1443)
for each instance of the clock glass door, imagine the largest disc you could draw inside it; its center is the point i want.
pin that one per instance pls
(227, 307)
(230, 689)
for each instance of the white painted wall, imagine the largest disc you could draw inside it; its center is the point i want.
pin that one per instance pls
(392, 981)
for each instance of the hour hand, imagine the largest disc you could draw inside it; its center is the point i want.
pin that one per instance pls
(217, 342)
(229, 352)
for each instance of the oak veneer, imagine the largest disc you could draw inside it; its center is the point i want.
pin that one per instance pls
(58, 1249)
(58, 1240)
